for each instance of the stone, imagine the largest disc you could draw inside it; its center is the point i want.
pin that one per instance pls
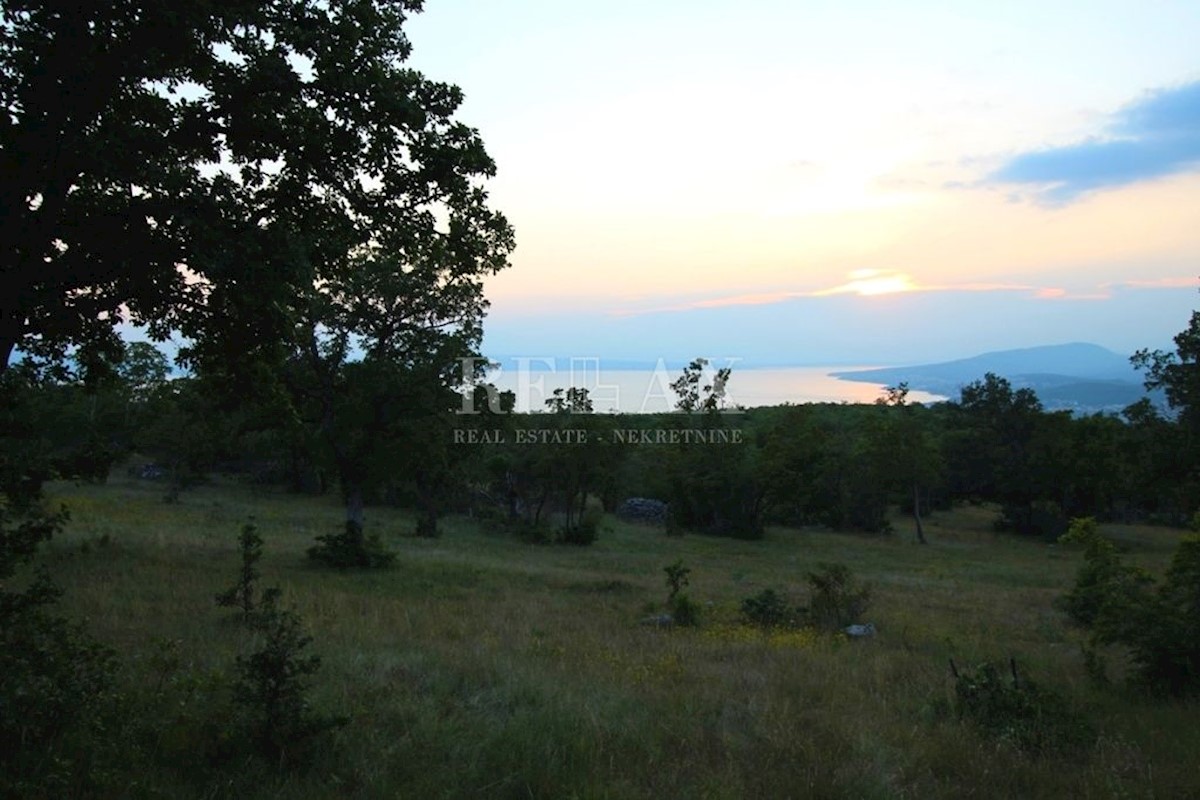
(643, 509)
(860, 631)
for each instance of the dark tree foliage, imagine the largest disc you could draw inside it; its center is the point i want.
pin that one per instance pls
(1015, 709)
(709, 472)
(1157, 623)
(272, 687)
(268, 179)
(1005, 449)
(54, 680)
(244, 593)
(259, 145)
(1178, 374)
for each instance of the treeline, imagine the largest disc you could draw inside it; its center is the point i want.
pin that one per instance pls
(375, 433)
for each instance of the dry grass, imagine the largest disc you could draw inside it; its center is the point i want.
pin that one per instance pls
(479, 666)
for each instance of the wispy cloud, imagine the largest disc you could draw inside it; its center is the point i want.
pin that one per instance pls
(1059, 293)
(862, 283)
(870, 282)
(873, 282)
(1156, 283)
(1154, 136)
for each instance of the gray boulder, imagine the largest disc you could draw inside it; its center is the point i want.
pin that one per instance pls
(643, 509)
(860, 631)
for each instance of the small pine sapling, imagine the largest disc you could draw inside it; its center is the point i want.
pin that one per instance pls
(242, 594)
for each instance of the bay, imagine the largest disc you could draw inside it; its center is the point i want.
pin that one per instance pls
(646, 391)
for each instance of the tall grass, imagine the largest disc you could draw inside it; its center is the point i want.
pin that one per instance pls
(479, 666)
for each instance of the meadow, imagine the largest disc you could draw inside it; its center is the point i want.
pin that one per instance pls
(482, 666)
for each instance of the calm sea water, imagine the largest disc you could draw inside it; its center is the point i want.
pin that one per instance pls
(648, 391)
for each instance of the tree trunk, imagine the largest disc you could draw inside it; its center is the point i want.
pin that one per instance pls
(428, 491)
(537, 516)
(427, 519)
(917, 514)
(354, 511)
(8, 343)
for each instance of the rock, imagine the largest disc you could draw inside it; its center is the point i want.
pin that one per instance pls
(151, 472)
(643, 509)
(860, 631)
(659, 620)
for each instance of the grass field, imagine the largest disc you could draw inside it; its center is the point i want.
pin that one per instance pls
(479, 666)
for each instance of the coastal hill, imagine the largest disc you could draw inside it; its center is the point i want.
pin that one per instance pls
(1079, 377)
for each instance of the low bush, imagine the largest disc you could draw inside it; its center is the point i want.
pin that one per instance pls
(768, 609)
(837, 599)
(677, 579)
(585, 531)
(1104, 585)
(1017, 710)
(56, 699)
(1158, 624)
(243, 593)
(683, 610)
(271, 689)
(351, 549)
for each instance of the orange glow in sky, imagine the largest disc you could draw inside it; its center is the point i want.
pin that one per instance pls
(657, 157)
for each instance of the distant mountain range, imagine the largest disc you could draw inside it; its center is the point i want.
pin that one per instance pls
(1080, 377)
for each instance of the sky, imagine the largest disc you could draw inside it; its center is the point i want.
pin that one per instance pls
(831, 183)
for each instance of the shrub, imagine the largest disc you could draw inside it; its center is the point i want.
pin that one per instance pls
(272, 687)
(183, 714)
(837, 600)
(242, 594)
(585, 531)
(55, 695)
(1158, 625)
(768, 609)
(677, 579)
(1163, 631)
(684, 611)
(350, 549)
(55, 681)
(1017, 710)
(1104, 583)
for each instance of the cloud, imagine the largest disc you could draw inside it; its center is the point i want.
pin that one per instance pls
(1156, 283)
(1155, 136)
(860, 283)
(869, 283)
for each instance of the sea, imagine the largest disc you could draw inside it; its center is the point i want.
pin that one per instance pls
(647, 391)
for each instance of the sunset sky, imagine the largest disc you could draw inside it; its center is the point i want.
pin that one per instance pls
(795, 182)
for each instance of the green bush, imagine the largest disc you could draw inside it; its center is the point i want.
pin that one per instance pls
(684, 611)
(1104, 585)
(183, 715)
(1157, 624)
(837, 600)
(584, 532)
(677, 579)
(1163, 630)
(350, 549)
(271, 690)
(56, 698)
(768, 609)
(242, 594)
(1016, 710)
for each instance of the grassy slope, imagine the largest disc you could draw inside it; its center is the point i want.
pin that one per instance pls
(480, 666)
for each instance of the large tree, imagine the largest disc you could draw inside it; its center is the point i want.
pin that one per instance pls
(192, 166)
(908, 448)
(1178, 374)
(265, 177)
